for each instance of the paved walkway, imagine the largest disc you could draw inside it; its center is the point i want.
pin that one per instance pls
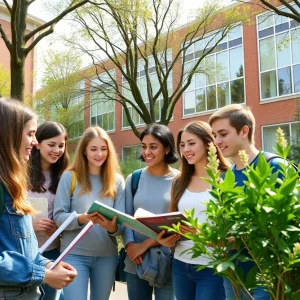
(120, 292)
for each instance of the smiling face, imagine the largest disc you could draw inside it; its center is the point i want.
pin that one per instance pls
(96, 153)
(28, 140)
(192, 148)
(153, 151)
(227, 139)
(51, 150)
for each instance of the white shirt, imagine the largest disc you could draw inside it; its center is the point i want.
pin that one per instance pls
(190, 200)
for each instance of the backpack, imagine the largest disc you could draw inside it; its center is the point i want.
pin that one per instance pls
(73, 183)
(135, 179)
(269, 156)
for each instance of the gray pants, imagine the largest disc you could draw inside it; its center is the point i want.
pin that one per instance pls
(21, 293)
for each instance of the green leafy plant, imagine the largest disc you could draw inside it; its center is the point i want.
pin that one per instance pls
(258, 223)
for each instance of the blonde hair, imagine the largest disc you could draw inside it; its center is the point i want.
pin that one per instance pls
(13, 169)
(109, 169)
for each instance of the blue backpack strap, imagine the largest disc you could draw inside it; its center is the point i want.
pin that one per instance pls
(1, 199)
(135, 178)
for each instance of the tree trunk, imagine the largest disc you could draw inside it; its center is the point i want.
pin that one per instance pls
(17, 84)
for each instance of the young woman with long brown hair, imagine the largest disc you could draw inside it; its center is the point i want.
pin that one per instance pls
(48, 160)
(22, 268)
(98, 178)
(190, 191)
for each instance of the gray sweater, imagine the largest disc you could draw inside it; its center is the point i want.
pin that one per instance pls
(97, 242)
(153, 194)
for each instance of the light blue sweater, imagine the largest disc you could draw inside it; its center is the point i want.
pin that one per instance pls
(153, 194)
(97, 242)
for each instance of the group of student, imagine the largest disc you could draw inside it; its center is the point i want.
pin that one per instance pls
(34, 164)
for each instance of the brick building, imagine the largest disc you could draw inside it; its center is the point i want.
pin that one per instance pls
(257, 70)
(32, 22)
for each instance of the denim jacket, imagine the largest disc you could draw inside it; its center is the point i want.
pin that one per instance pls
(21, 265)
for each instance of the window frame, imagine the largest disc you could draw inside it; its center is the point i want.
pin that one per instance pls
(215, 85)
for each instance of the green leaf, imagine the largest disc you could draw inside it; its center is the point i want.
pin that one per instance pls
(282, 245)
(293, 228)
(224, 266)
(251, 277)
(267, 209)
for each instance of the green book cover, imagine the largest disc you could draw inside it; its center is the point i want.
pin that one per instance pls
(122, 218)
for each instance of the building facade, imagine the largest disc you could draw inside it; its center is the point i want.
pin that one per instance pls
(257, 64)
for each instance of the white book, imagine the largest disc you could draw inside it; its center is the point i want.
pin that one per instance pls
(78, 237)
(58, 231)
(41, 205)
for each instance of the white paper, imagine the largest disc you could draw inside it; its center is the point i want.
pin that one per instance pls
(140, 212)
(41, 205)
(59, 230)
(81, 234)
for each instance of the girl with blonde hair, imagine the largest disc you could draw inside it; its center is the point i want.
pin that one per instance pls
(98, 177)
(22, 268)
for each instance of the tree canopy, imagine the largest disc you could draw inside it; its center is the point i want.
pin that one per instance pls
(138, 52)
(20, 41)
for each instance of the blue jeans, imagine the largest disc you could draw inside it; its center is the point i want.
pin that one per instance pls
(139, 289)
(101, 272)
(257, 294)
(190, 284)
(50, 293)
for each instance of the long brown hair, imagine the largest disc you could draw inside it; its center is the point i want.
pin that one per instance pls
(181, 182)
(13, 169)
(109, 169)
(45, 131)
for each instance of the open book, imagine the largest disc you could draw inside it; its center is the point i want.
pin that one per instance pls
(78, 237)
(143, 221)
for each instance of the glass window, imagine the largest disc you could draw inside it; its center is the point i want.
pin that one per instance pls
(211, 98)
(189, 103)
(269, 136)
(200, 100)
(283, 50)
(265, 21)
(234, 33)
(103, 109)
(284, 81)
(237, 91)
(223, 94)
(279, 55)
(220, 80)
(222, 66)
(236, 63)
(143, 88)
(268, 85)
(267, 54)
(295, 37)
(296, 73)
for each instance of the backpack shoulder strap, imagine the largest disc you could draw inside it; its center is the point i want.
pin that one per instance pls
(269, 156)
(1, 198)
(135, 178)
(73, 183)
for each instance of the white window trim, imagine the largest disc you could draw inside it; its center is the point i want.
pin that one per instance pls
(277, 125)
(90, 121)
(208, 112)
(282, 97)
